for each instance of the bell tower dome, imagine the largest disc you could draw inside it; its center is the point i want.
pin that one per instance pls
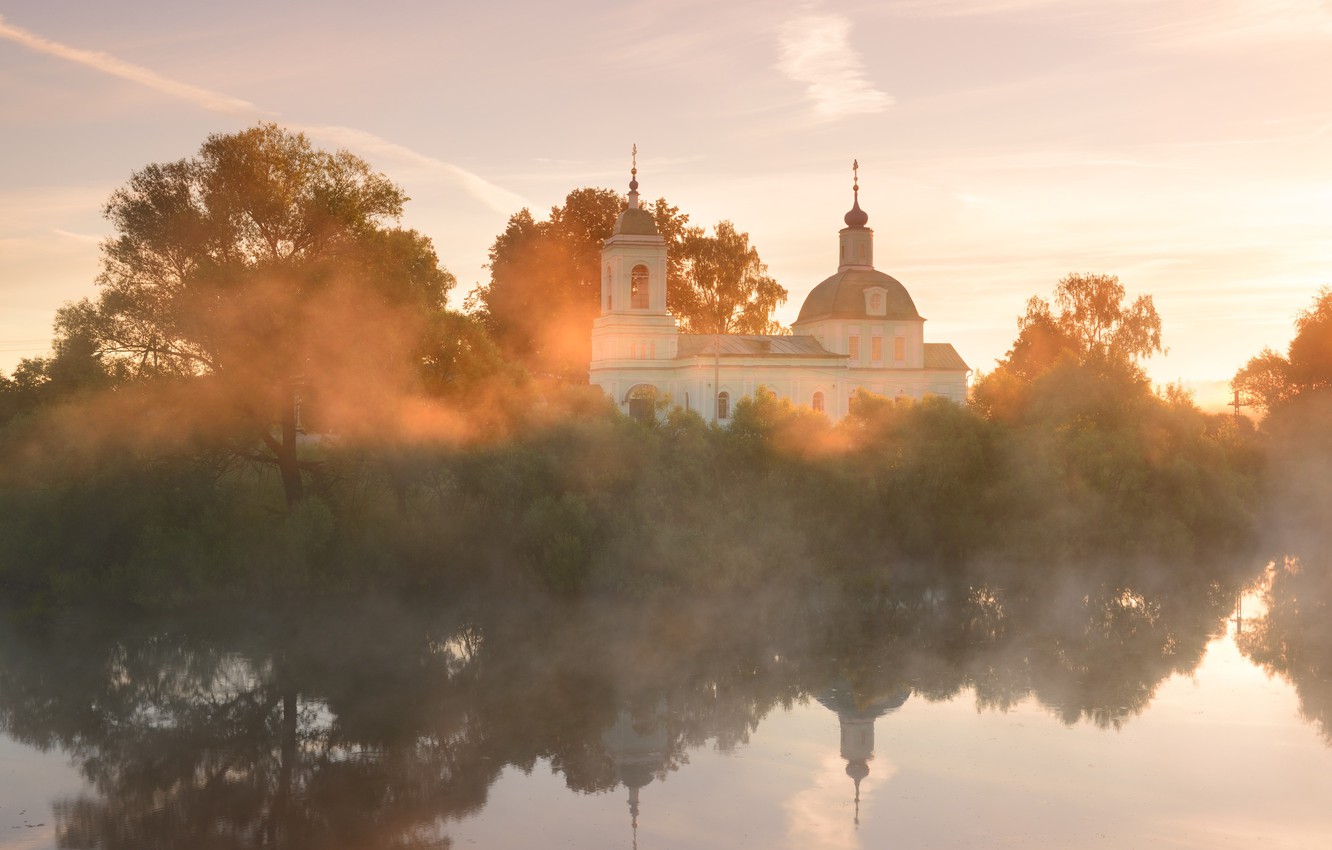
(634, 336)
(857, 240)
(633, 259)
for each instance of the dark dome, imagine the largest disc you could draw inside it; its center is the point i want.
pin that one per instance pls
(636, 221)
(856, 217)
(842, 296)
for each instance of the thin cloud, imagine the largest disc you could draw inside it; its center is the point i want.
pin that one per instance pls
(495, 197)
(77, 237)
(815, 49)
(107, 64)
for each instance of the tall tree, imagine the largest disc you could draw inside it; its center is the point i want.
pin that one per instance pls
(725, 287)
(1095, 321)
(1096, 334)
(269, 265)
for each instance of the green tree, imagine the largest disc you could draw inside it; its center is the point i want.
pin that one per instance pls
(268, 265)
(725, 287)
(1270, 380)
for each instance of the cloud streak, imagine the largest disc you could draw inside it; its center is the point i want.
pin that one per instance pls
(815, 50)
(496, 197)
(493, 196)
(108, 64)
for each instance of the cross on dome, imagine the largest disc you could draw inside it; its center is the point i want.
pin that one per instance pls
(633, 180)
(856, 217)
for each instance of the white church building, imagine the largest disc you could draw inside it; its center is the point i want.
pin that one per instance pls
(859, 329)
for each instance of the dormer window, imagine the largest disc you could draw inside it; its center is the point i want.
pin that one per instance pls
(638, 287)
(876, 301)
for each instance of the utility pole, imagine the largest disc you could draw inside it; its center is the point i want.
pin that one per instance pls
(1237, 404)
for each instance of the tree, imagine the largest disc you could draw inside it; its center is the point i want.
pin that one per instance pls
(545, 279)
(725, 287)
(270, 266)
(1097, 335)
(1270, 380)
(1094, 322)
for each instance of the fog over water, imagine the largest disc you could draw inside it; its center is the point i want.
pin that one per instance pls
(1097, 707)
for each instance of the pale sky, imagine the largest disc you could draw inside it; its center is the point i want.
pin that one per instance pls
(1185, 145)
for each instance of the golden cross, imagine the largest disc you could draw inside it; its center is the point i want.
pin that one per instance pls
(634, 170)
(855, 174)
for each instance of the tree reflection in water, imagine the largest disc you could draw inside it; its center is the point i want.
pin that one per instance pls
(1293, 637)
(373, 727)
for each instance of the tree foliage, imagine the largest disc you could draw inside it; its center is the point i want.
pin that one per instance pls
(725, 288)
(1095, 321)
(1271, 380)
(1095, 328)
(268, 265)
(545, 281)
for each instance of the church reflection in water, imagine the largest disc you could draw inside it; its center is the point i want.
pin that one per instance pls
(856, 713)
(379, 728)
(637, 744)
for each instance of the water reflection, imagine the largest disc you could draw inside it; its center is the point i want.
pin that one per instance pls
(1292, 637)
(856, 713)
(378, 726)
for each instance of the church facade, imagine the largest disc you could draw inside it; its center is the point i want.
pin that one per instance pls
(858, 329)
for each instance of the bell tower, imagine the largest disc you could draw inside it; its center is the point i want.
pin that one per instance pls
(634, 333)
(856, 250)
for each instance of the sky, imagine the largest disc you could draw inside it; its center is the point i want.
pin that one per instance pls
(1183, 145)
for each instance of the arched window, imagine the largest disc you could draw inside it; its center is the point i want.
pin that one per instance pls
(818, 402)
(723, 405)
(642, 400)
(638, 287)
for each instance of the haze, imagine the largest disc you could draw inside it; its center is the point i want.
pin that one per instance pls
(1181, 144)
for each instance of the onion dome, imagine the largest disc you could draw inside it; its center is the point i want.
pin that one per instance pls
(856, 217)
(635, 221)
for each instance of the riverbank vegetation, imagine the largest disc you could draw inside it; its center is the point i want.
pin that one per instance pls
(268, 399)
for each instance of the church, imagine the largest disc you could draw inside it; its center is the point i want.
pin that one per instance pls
(859, 329)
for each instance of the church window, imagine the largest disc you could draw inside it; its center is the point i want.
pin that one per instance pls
(642, 401)
(876, 303)
(818, 402)
(853, 347)
(652, 350)
(876, 349)
(899, 348)
(723, 405)
(638, 287)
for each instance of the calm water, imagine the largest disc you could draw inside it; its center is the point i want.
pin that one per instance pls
(1118, 709)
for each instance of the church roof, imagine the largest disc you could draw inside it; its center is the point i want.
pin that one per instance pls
(942, 355)
(751, 345)
(635, 221)
(842, 296)
(849, 703)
